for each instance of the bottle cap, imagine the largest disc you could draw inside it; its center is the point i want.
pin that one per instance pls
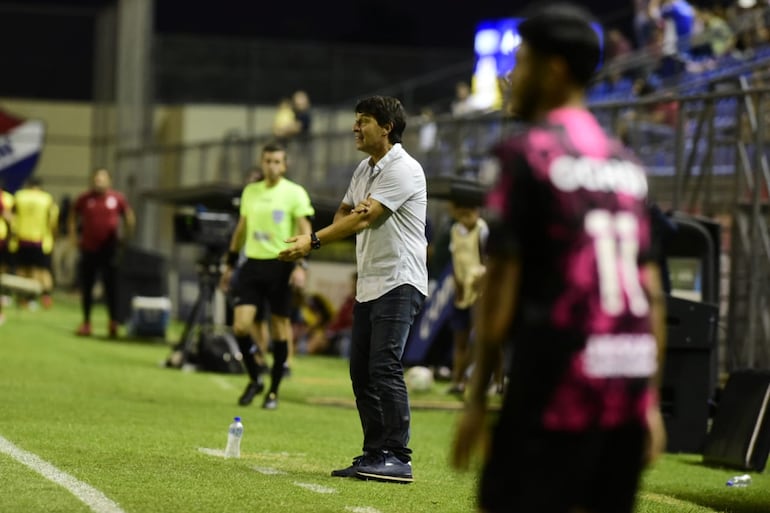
(237, 419)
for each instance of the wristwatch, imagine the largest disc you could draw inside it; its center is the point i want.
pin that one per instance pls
(314, 242)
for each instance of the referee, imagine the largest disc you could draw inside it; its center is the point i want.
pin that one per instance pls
(272, 210)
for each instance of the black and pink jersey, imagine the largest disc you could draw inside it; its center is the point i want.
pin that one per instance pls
(570, 204)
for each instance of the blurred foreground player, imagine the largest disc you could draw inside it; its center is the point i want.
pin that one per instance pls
(572, 282)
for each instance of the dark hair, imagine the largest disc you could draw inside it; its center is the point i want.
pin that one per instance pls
(34, 181)
(385, 109)
(564, 30)
(273, 147)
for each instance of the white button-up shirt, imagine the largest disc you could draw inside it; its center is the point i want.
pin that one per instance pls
(393, 250)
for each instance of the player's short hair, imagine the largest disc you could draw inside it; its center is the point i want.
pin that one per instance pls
(273, 147)
(385, 109)
(565, 30)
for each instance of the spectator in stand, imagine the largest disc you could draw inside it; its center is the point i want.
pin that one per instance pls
(716, 33)
(644, 24)
(618, 45)
(301, 105)
(285, 124)
(99, 212)
(678, 18)
(462, 105)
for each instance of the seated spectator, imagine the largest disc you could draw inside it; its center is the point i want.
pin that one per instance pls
(285, 124)
(618, 45)
(717, 37)
(312, 316)
(335, 339)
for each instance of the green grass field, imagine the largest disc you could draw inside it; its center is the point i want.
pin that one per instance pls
(138, 437)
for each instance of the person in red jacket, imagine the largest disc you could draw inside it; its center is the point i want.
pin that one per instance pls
(99, 212)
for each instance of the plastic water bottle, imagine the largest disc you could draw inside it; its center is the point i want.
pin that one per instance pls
(234, 435)
(739, 481)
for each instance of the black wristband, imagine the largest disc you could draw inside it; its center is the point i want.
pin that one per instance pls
(232, 258)
(314, 242)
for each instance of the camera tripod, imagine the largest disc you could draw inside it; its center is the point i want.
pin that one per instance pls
(200, 320)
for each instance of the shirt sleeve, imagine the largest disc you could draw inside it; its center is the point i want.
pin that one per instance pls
(394, 187)
(507, 205)
(303, 206)
(348, 199)
(243, 202)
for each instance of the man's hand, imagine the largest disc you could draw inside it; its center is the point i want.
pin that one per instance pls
(363, 207)
(656, 434)
(468, 435)
(300, 247)
(298, 278)
(224, 280)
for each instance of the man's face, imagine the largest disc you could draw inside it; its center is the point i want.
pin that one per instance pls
(101, 180)
(525, 84)
(273, 165)
(370, 137)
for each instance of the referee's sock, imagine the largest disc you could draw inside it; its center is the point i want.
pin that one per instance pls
(280, 353)
(247, 346)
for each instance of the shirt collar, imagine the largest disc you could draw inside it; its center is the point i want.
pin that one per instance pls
(393, 153)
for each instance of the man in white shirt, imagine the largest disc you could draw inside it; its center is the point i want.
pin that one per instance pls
(385, 206)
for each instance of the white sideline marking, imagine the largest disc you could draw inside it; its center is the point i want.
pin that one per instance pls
(269, 471)
(315, 487)
(222, 383)
(212, 452)
(359, 509)
(89, 495)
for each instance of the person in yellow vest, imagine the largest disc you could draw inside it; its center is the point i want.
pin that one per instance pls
(34, 216)
(6, 218)
(468, 236)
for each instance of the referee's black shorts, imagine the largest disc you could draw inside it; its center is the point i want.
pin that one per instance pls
(559, 472)
(262, 282)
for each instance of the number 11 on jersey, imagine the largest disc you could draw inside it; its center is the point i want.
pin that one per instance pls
(616, 245)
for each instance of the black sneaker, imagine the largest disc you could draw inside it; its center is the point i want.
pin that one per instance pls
(386, 467)
(271, 402)
(351, 470)
(253, 389)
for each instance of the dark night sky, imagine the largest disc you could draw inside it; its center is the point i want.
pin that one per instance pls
(47, 44)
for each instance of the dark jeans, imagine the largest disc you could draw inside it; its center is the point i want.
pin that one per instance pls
(380, 330)
(92, 264)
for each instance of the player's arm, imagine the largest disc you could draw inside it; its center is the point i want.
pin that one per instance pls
(494, 315)
(53, 220)
(298, 275)
(496, 308)
(233, 253)
(129, 222)
(657, 299)
(72, 221)
(656, 434)
(343, 210)
(359, 218)
(237, 239)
